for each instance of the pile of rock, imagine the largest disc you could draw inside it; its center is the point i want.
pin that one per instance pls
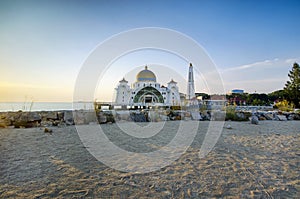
(151, 115)
(278, 116)
(31, 119)
(62, 118)
(38, 119)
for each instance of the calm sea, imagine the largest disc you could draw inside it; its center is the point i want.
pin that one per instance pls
(44, 106)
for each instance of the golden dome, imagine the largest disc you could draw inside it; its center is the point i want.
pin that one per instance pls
(146, 76)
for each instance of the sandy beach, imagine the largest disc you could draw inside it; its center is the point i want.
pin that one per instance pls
(248, 161)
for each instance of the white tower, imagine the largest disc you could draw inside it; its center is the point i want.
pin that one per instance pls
(123, 93)
(191, 87)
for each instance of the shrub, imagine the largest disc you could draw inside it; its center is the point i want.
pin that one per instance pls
(284, 106)
(231, 114)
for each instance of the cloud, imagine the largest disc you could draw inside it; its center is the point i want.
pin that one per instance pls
(263, 76)
(253, 65)
(292, 60)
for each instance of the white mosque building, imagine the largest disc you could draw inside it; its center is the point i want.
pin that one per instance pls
(147, 92)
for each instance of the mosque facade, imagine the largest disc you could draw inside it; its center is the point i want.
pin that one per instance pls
(147, 92)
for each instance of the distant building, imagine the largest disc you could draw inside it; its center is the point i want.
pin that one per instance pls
(239, 91)
(216, 102)
(146, 92)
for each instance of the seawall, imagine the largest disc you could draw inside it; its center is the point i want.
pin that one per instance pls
(62, 118)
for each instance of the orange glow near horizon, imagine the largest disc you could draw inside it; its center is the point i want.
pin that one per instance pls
(25, 93)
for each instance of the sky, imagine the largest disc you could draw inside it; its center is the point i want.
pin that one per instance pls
(43, 44)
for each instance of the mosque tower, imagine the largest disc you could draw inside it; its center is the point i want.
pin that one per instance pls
(191, 87)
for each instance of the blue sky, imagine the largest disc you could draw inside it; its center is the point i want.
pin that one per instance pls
(44, 43)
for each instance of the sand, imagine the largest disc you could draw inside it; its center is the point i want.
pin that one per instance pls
(249, 161)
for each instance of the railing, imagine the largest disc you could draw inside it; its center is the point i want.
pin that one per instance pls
(253, 108)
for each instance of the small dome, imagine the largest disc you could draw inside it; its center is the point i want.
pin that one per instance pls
(172, 82)
(146, 76)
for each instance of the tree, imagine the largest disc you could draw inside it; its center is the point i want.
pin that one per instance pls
(258, 99)
(292, 86)
(277, 96)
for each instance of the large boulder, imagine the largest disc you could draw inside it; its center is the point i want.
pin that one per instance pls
(153, 116)
(297, 116)
(79, 117)
(12, 116)
(164, 117)
(254, 120)
(290, 116)
(5, 122)
(33, 116)
(102, 118)
(49, 115)
(46, 123)
(68, 117)
(84, 117)
(60, 115)
(196, 115)
(218, 115)
(268, 116)
(280, 118)
(138, 117)
(27, 119)
(240, 115)
(123, 115)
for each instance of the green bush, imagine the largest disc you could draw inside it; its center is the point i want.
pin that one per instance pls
(284, 106)
(232, 115)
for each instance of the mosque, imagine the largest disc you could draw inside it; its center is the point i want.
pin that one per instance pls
(147, 92)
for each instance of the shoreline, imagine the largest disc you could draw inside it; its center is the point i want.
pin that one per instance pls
(62, 118)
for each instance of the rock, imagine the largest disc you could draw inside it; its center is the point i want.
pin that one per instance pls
(26, 124)
(27, 119)
(228, 126)
(12, 116)
(268, 116)
(218, 115)
(31, 116)
(68, 117)
(297, 116)
(178, 117)
(79, 117)
(164, 117)
(262, 118)
(139, 117)
(196, 115)
(5, 123)
(102, 118)
(153, 116)
(49, 115)
(109, 116)
(90, 117)
(46, 123)
(187, 114)
(281, 117)
(84, 117)
(205, 116)
(240, 115)
(46, 130)
(123, 115)
(254, 120)
(290, 117)
(60, 115)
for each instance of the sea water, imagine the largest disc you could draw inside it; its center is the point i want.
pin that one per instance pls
(44, 106)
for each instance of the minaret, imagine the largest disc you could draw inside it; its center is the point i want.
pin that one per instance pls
(191, 87)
